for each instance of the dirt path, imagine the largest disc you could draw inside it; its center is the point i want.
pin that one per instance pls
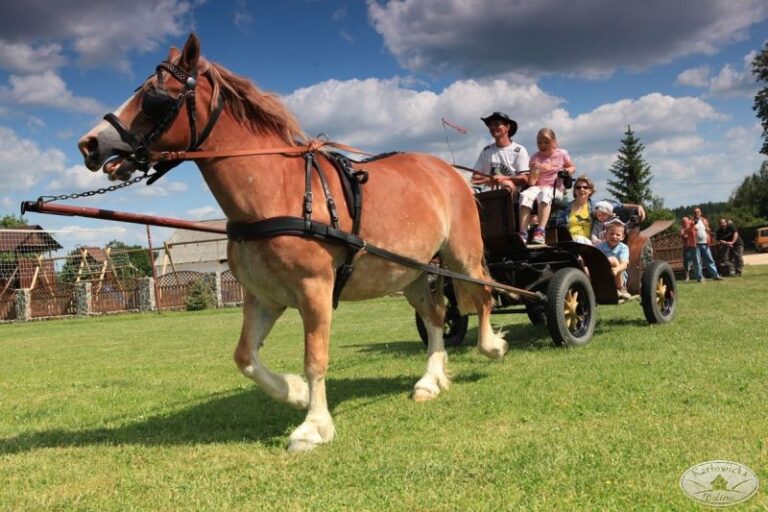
(756, 258)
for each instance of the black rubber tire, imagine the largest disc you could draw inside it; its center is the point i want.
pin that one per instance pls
(454, 328)
(571, 308)
(658, 293)
(536, 313)
(456, 324)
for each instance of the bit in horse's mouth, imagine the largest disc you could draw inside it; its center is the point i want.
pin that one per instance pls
(111, 166)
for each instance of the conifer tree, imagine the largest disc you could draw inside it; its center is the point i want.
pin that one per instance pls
(760, 70)
(633, 174)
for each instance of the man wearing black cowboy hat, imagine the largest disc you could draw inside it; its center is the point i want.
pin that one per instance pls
(503, 164)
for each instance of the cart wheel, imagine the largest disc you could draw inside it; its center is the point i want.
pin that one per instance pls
(570, 309)
(536, 313)
(454, 328)
(658, 293)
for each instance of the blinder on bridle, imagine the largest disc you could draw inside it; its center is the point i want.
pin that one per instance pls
(161, 108)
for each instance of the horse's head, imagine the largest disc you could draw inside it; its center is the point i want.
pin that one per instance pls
(151, 120)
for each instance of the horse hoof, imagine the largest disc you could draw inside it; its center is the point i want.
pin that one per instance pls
(301, 445)
(424, 394)
(495, 352)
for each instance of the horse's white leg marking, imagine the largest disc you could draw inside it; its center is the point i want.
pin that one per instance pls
(429, 386)
(316, 312)
(430, 308)
(258, 320)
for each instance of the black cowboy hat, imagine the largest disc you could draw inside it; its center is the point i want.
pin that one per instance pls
(501, 116)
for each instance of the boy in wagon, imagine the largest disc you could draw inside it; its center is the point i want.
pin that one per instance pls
(617, 253)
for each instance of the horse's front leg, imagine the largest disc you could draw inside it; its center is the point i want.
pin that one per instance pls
(316, 312)
(258, 319)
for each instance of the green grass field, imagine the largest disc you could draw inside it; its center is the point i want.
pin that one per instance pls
(148, 412)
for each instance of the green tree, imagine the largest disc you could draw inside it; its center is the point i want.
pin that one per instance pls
(200, 296)
(752, 194)
(633, 174)
(137, 257)
(11, 221)
(68, 272)
(760, 70)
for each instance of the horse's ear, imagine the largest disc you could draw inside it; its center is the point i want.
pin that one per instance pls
(191, 53)
(173, 54)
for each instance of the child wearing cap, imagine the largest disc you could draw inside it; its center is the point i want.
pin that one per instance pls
(603, 213)
(617, 253)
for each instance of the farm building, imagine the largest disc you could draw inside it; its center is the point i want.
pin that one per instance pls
(196, 251)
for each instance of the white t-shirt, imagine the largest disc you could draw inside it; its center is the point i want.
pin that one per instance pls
(701, 232)
(512, 160)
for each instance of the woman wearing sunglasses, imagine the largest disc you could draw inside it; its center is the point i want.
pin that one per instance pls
(578, 217)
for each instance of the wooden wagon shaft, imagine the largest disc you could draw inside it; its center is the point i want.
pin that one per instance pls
(152, 220)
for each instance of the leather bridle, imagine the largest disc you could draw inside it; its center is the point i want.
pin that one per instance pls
(163, 109)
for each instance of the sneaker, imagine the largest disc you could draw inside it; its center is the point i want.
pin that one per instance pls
(538, 237)
(702, 280)
(624, 294)
(523, 236)
(717, 278)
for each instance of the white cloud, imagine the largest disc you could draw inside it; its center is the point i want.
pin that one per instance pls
(77, 179)
(387, 116)
(242, 17)
(24, 58)
(548, 36)
(162, 188)
(48, 89)
(206, 212)
(23, 164)
(100, 32)
(694, 77)
(730, 81)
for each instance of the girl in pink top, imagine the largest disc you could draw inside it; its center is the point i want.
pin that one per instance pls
(544, 166)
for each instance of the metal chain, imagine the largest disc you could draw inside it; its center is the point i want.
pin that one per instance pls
(89, 193)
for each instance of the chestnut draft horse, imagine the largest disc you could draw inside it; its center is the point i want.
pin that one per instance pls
(247, 146)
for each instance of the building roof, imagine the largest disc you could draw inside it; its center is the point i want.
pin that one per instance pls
(97, 254)
(188, 246)
(27, 239)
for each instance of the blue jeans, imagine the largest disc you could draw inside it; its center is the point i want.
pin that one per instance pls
(691, 259)
(706, 260)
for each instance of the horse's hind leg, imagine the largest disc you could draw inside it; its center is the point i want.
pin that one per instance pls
(489, 343)
(258, 319)
(316, 312)
(431, 308)
(466, 258)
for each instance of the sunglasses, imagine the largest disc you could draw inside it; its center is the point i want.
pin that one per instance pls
(581, 187)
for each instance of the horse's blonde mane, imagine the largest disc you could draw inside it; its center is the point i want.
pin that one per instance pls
(262, 112)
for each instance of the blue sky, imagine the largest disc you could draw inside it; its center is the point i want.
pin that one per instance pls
(380, 75)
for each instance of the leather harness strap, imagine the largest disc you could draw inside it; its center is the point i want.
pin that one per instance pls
(295, 226)
(309, 147)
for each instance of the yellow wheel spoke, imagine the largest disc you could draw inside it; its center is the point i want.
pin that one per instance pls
(661, 292)
(570, 309)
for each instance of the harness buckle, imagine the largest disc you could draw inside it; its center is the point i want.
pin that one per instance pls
(308, 202)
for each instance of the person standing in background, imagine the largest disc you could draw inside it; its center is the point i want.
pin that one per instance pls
(703, 236)
(690, 253)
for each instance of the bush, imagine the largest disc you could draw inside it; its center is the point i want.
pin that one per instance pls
(199, 297)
